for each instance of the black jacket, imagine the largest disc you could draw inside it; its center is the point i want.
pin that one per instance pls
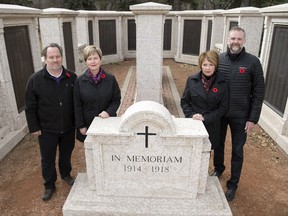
(49, 106)
(90, 99)
(212, 105)
(246, 85)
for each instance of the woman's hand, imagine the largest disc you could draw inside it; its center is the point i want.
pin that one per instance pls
(198, 117)
(83, 131)
(104, 114)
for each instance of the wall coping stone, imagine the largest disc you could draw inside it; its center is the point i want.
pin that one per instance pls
(59, 11)
(243, 10)
(16, 10)
(276, 9)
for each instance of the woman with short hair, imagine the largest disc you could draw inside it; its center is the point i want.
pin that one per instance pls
(205, 97)
(96, 93)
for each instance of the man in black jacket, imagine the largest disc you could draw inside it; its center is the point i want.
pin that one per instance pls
(50, 116)
(244, 74)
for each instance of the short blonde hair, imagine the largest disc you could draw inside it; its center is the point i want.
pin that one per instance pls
(211, 56)
(90, 50)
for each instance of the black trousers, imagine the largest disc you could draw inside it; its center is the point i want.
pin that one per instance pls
(48, 143)
(238, 137)
(213, 130)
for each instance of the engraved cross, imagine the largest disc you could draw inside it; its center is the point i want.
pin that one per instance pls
(146, 136)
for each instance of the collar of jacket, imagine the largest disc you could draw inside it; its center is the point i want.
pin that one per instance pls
(47, 74)
(86, 76)
(197, 76)
(218, 78)
(233, 56)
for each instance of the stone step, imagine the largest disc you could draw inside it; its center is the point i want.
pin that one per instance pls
(9, 139)
(4, 131)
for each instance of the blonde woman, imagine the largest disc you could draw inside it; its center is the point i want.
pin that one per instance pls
(96, 93)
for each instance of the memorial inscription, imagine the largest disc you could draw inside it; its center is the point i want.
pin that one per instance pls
(165, 162)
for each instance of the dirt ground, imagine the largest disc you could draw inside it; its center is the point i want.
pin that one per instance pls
(263, 188)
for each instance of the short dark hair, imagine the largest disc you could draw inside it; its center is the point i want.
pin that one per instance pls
(238, 28)
(44, 51)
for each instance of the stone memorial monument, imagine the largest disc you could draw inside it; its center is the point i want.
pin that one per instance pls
(146, 162)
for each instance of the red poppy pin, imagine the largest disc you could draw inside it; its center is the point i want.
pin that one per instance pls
(67, 74)
(103, 76)
(215, 90)
(242, 70)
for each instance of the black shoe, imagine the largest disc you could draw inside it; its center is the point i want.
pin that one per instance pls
(216, 173)
(230, 194)
(48, 192)
(69, 180)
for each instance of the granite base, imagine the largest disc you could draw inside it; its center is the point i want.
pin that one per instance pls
(83, 201)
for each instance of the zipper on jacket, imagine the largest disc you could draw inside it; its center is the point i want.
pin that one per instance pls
(60, 105)
(61, 111)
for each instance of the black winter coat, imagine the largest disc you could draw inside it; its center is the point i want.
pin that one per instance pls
(49, 106)
(246, 85)
(91, 99)
(212, 105)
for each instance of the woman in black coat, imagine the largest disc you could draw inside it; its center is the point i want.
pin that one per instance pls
(205, 97)
(96, 93)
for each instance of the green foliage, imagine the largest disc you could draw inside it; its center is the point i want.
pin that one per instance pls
(267, 3)
(124, 5)
(228, 4)
(79, 5)
(27, 3)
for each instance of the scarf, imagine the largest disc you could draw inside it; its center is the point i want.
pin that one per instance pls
(98, 77)
(207, 81)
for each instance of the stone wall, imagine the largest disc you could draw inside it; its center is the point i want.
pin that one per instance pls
(13, 125)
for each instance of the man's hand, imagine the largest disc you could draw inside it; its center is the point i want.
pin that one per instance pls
(37, 133)
(249, 126)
